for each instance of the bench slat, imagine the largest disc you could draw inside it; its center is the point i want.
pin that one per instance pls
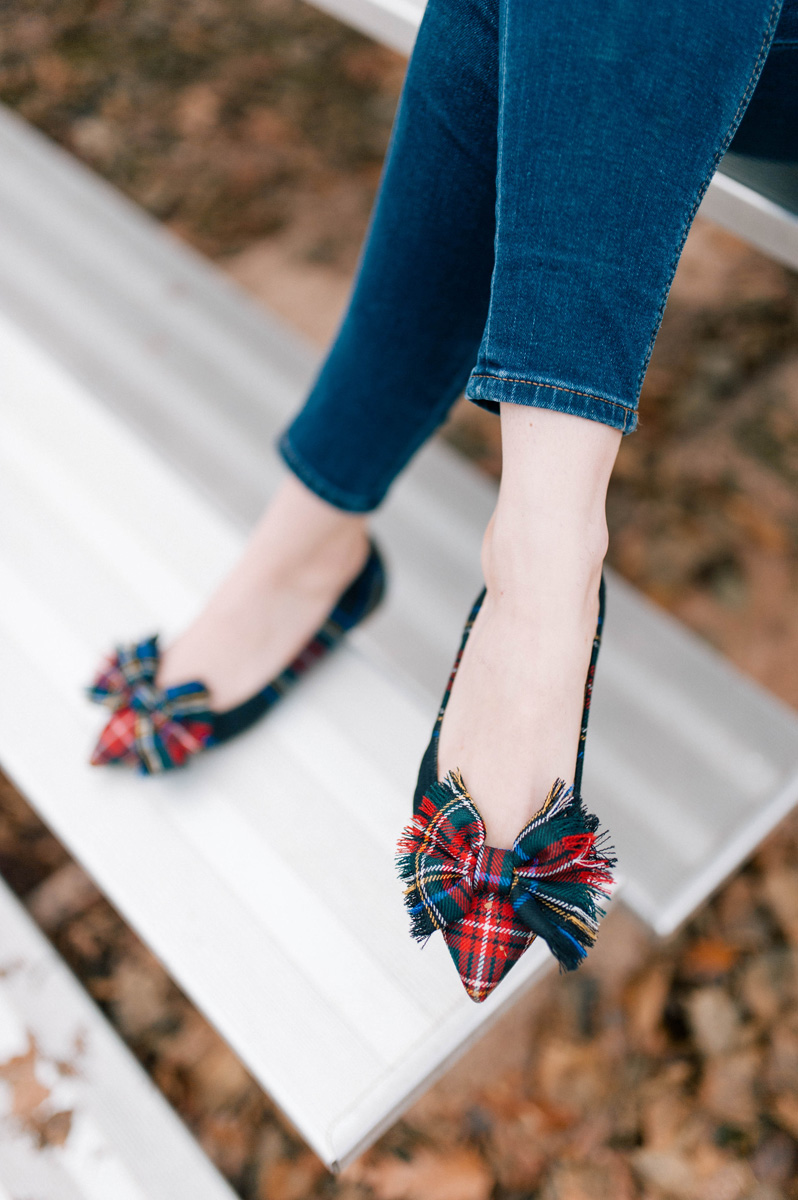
(124, 1140)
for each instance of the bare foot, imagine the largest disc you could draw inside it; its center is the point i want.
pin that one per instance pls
(303, 554)
(513, 717)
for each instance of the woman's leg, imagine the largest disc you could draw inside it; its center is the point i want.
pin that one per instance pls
(612, 120)
(413, 327)
(300, 558)
(400, 359)
(513, 717)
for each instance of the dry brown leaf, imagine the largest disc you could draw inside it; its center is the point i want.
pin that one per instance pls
(28, 1093)
(708, 959)
(518, 1148)
(785, 1110)
(769, 982)
(221, 1077)
(29, 1098)
(668, 1170)
(775, 1159)
(705, 1175)
(189, 1042)
(458, 1174)
(138, 990)
(781, 1068)
(645, 1002)
(54, 73)
(758, 524)
(62, 895)
(607, 1180)
(780, 889)
(572, 1076)
(728, 1085)
(715, 1021)
(227, 1140)
(290, 1178)
(55, 1129)
(663, 1117)
(731, 1181)
(197, 109)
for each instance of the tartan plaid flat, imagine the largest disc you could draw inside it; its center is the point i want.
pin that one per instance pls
(491, 904)
(156, 729)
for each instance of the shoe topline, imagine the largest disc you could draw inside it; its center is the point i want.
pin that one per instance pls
(491, 904)
(154, 729)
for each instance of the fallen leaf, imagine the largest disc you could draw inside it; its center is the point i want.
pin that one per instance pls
(727, 1088)
(29, 1099)
(780, 889)
(608, 1180)
(572, 1076)
(28, 1093)
(775, 1159)
(645, 1000)
(290, 1178)
(663, 1117)
(519, 1148)
(781, 1069)
(458, 1174)
(197, 109)
(708, 959)
(62, 895)
(138, 995)
(714, 1020)
(769, 982)
(785, 1110)
(55, 1129)
(221, 1077)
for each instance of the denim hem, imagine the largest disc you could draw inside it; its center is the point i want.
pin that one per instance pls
(308, 475)
(488, 391)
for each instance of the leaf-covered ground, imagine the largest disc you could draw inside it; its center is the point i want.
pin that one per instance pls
(255, 129)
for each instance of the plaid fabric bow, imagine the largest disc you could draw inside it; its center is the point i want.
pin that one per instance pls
(152, 729)
(490, 903)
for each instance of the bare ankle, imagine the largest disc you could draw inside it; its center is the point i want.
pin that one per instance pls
(540, 556)
(341, 553)
(302, 538)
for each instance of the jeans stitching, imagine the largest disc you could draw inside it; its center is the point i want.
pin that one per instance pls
(501, 58)
(767, 39)
(557, 387)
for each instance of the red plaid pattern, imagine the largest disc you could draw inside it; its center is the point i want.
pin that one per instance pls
(489, 903)
(156, 729)
(459, 884)
(486, 943)
(152, 729)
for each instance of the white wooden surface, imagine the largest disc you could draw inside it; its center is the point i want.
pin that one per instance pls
(139, 394)
(392, 22)
(124, 1141)
(740, 209)
(264, 876)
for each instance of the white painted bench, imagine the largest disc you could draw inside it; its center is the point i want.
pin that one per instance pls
(107, 1132)
(139, 395)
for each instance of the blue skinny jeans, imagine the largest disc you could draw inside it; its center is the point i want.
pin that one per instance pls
(544, 168)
